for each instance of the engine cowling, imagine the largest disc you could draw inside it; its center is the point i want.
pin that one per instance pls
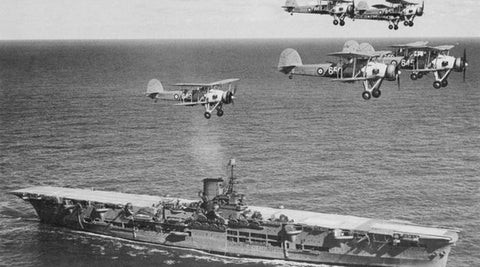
(227, 97)
(419, 11)
(391, 72)
(459, 64)
(350, 11)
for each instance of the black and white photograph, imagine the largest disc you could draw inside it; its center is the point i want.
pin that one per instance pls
(254, 133)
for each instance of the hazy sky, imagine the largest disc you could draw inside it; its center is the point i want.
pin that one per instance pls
(132, 19)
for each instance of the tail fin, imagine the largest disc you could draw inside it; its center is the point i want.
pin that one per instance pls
(365, 48)
(291, 3)
(362, 6)
(154, 88)
(350, 46)
(289, 59)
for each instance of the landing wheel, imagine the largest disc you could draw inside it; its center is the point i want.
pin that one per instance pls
(290, 76)
(390, 27)
(437, 85)
(219, 113)
(410, 24)
(335, 22)
(406, 23)
(444, 83)
(413, 76)
(420, 75)
(207, 115)
(395, 27)
(366, 95)
(342, 23)
(376, 93)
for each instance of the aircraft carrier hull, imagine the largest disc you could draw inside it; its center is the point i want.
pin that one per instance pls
(287, 234)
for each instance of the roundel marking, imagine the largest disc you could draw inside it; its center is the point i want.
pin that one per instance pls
(309, 10)
(175, 96)
(320, 71)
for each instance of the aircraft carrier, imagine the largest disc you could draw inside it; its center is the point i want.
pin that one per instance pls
(222, 223)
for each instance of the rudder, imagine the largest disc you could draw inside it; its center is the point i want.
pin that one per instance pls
(154, 87)
(291, 3)
(289, 58)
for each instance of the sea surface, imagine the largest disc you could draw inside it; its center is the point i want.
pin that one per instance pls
(74, 114)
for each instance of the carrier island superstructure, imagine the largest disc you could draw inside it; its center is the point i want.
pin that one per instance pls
(222, 223)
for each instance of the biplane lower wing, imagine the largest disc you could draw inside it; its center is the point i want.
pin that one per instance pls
(187, 104)
(425, 70)
(349, 80)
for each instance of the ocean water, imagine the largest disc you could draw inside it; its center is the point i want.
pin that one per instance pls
(74, 114)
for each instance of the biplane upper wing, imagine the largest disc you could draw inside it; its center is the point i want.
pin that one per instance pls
(351, 55)
(442, 47)
(419, 44)
(380, 6)
(222, 82)
(400, 2)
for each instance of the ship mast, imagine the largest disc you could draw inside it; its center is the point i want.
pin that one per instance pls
(231, 178)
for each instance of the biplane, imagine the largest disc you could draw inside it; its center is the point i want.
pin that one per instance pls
(412, 53)
(398, 11)
(338, 9)
(210, 95)
(438, 60)
(356, 63)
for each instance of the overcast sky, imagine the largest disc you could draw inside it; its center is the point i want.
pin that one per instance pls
(153, 19)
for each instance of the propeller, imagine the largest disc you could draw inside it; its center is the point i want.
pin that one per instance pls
(228, 96)
(397, 76)
(352, 13)
(465, 63)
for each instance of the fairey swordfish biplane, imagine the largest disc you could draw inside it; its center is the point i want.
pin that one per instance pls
(357, 62)
(210, 95)
(398, 10)
(421, 59)
(338, 9)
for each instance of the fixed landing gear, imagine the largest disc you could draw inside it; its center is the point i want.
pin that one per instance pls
(341, 22)
(420, 75)
(207, 115)
(366, 95)
(290, 76)
(376, 93)
(440, 84)
(393, 27)
(406, 23)
(219, 113)
(410, 24)
(413, 76)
